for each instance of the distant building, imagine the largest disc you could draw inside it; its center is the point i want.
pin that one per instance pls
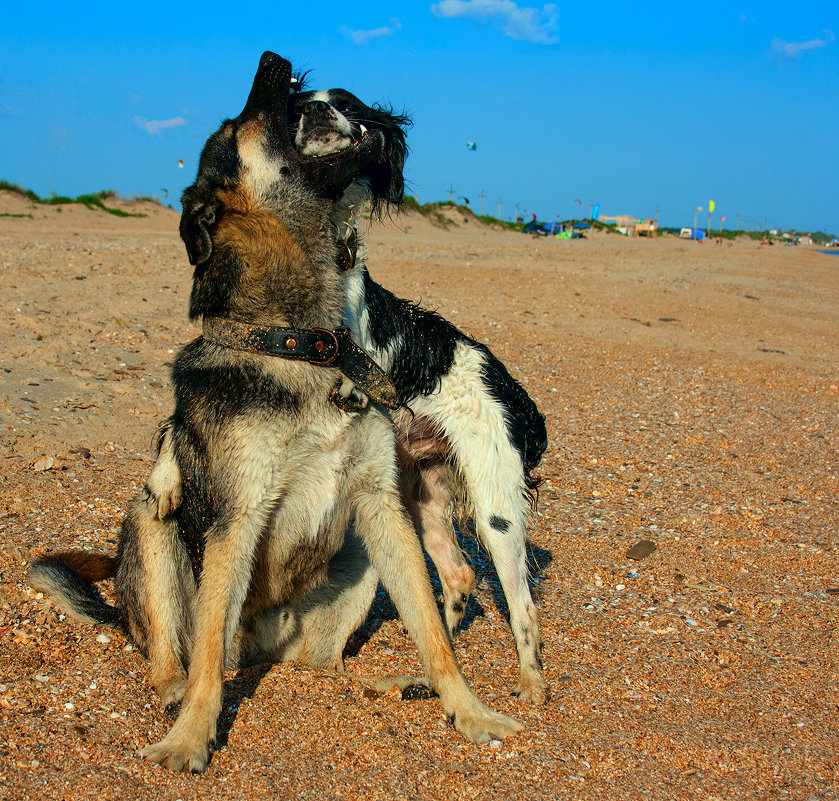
(631, 226)
(646, 228)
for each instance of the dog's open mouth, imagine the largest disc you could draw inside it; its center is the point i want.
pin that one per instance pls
(363, 133)
(324, 132)
(359, 135)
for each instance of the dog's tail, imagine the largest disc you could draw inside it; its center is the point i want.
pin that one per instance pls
(67, 578)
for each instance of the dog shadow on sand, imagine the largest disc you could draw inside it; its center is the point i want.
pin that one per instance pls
(246, 681)
(486, 580)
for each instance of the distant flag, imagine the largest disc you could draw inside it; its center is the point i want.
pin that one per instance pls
(471, 146)
(711, 206)
(595, 212)
(180, 164)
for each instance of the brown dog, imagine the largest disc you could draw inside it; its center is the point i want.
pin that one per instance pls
(273, 472)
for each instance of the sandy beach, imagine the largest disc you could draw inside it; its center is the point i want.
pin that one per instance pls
(692, 397)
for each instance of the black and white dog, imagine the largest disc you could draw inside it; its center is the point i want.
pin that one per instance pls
(468, 435)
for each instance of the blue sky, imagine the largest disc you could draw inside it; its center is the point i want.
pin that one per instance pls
(636, 107)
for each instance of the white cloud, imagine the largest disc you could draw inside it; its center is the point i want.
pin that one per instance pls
(154, 127)
(784, 49)
(518, 22)
(362, 37)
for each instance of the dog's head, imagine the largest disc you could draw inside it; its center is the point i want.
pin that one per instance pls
(325, 123)
(251, 161)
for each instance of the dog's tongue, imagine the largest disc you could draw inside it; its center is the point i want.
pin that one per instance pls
(328, 175)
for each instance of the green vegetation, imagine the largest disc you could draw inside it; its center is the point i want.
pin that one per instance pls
(433, 212)
(430, 210)
(27, 193)
(94, 201)
(410, 203)
(490, 220)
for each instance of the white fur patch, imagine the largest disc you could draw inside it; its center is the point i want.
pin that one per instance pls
(473, 422)
(323, 143)
(261, 171)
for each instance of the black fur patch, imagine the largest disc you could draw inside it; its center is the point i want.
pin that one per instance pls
(224, 390)
(418, 692)
(499, 523)
(525, 423)
(424, 341)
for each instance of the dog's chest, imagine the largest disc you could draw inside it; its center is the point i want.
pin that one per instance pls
(308, 519)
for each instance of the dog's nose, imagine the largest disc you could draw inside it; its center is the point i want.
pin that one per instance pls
(316, 108)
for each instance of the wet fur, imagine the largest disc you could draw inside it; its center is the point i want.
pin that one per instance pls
(256, 562)
(469, 436)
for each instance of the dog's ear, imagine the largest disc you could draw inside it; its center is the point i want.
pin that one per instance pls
(197, 219)
(387, 184)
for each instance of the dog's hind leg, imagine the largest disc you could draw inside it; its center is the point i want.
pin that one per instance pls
(475, 427)
(498, 495)
(503, 533)
(315, 629)
(155, 587)
(430, 507)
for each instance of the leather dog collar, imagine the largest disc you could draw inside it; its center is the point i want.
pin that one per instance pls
(317, 346)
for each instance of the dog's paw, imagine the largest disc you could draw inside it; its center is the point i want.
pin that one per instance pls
(172, 692)
(480, 724)
(179, 753)
(532, 688)
(455, 609)
(163, 492)
(348, 397)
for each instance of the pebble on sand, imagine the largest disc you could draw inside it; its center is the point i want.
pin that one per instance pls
(641, 550)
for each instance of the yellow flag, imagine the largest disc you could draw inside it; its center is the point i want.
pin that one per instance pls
(711, 205)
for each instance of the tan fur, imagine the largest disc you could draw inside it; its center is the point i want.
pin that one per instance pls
(290, 507)
(92, 566)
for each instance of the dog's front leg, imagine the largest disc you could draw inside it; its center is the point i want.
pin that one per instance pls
(394, 549)
(225, 577)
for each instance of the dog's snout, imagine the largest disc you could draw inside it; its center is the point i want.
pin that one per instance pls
(317, 108)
